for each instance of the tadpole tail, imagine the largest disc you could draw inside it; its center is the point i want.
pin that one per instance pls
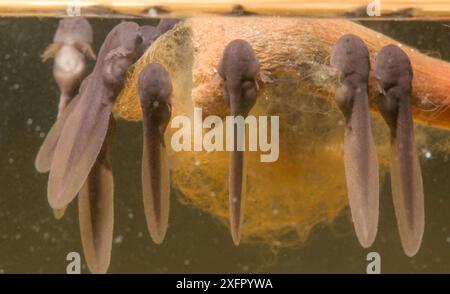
(407, 186)
(236, 181)
(155, 182)
(96, 209)
(361, 172)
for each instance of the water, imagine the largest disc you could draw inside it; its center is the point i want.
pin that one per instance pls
(31, 241)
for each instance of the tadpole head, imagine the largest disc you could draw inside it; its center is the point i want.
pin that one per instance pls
(350, 57)
(393, 74)
(73, 30)
(154, 84)
(155, 89)
(239, 68)
(350, 61)
(125, 39)
(126, 43)
(393, 70)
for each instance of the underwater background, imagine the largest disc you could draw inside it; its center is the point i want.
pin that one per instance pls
(32, 241)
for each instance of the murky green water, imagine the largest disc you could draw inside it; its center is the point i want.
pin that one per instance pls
(31, 241)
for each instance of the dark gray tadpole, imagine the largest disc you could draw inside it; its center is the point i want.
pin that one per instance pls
(155, 89)
(394, 77)
(70, 48)
(350, 57)
(239, 68)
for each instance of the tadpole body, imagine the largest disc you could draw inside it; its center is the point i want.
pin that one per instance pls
(239, 68)
(155, 89)
(394, 78)
(350, 57)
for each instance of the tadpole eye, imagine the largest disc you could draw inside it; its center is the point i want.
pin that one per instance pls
(248, 92)
(163, 113)
(380, 87)
(340, 77)
(226, 97)
(387, 85)
(139, 40)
